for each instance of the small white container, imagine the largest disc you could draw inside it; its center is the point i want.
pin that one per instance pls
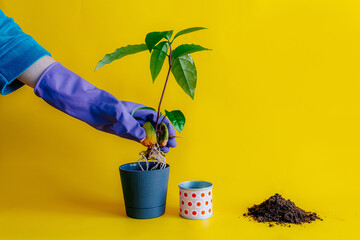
(196, 199)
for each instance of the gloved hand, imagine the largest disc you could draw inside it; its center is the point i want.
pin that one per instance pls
(73, 95)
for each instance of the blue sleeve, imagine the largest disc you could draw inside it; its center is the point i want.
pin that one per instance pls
(18, 51)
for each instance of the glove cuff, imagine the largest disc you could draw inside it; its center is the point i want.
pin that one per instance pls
(42, 76)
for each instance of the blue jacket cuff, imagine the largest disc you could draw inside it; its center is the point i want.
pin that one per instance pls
(16, 60)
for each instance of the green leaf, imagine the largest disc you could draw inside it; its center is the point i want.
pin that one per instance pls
(153, 38)
(186, 49)
(169, 34)
(184, 71)
(188, 30)
(157, 59)
(177, 119)
(121, 52)
(136, 109)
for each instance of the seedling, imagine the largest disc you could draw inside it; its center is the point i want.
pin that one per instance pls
(182, 66)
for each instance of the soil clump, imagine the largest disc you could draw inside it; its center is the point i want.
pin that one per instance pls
(278, 210)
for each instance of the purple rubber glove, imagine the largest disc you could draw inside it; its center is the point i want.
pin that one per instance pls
(73, 95)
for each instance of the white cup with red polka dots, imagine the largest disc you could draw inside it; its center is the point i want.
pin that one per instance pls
(196, 199)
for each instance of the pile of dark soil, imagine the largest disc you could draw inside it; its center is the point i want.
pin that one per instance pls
(278, 210)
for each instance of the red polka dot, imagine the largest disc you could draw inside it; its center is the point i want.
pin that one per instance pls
(180, 210)
(198, 204)
(180, 193)
(182, 202)
(206, 203)
(185, 194)
(203, 212)
(186, 212)
(209, 193)
(194, 195)
(194, 213)
(211, 200)
(203, 195)
(209, 210)
(190, 204)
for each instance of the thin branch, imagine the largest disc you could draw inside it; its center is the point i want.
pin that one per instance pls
(162, 95)
(162, 119)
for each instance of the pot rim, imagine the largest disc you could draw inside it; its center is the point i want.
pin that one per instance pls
(195, 185)
(121, 168)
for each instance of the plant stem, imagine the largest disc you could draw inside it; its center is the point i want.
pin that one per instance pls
(162, 119)
(162, 95)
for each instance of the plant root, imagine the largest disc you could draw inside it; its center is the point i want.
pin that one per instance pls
(152, 154)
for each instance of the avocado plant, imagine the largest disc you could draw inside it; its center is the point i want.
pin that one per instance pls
(182, 66)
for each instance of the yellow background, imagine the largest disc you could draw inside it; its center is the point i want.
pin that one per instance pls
(276, 110)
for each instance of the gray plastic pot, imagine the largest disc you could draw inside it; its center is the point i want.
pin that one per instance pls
(144, 191)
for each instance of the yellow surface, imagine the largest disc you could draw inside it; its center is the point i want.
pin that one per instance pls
(277, 109)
